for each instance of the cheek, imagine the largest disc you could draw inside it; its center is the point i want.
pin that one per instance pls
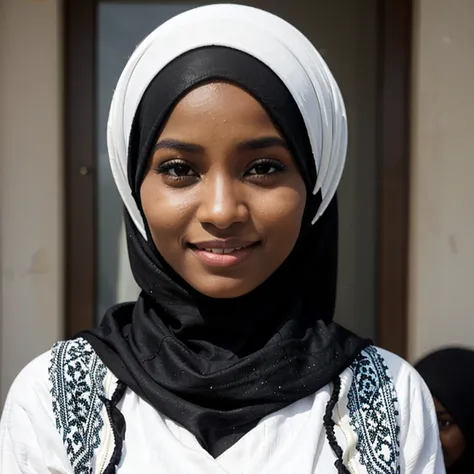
(280, 212)
(166, 212)
(453, 443)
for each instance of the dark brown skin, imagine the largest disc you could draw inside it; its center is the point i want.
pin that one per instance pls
(452, 440)
(227, 186)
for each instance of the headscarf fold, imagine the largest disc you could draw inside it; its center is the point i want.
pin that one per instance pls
(218, 366)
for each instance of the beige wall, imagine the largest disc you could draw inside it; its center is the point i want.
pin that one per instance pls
(442, 202)
(30, 183)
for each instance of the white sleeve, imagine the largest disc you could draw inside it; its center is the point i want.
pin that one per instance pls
(29, 441)
(419, 434)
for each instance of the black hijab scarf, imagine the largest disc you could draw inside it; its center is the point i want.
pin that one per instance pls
(449, 374)
(218, 366)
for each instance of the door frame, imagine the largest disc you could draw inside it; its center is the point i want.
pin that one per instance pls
(393, 168)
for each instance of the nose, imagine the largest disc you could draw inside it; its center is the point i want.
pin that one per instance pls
(222, 202)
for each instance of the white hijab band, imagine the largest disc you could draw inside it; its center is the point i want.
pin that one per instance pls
(262, 35)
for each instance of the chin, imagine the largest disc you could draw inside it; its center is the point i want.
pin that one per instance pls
(224, 288)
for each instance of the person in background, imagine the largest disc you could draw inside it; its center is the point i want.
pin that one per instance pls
(449, 375)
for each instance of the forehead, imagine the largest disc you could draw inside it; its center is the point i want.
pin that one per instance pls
(219, 104)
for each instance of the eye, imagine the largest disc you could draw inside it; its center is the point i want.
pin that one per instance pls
(176, 169)
(264, 167)
(443, 424)
(180, 171)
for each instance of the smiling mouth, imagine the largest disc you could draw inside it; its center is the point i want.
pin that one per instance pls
(223, 250)
(223, 253)
(223, 246)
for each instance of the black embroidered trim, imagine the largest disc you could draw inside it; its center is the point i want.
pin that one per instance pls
(77, 377)
(373, 409)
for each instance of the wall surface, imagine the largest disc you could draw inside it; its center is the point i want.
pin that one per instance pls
(30, 183)
(442, 200)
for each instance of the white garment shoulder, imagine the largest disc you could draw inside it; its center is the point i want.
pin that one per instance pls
(29, 440)
(419, 433)
(54, 418)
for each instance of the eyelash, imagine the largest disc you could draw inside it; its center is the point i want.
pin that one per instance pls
(167, 167)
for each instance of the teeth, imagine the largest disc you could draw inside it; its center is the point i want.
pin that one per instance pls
(222, 251)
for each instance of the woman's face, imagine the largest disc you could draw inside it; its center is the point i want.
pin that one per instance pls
(222, 196)
(452, 440)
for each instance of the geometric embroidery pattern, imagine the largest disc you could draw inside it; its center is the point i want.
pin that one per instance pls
(373, 409)
(77, 378)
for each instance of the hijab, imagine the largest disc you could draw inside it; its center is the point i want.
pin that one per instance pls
(218, 366)
(449, 374)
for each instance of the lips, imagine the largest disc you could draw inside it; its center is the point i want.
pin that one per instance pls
(223, 253)
(223, 246)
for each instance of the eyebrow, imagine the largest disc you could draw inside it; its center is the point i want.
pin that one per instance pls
(247, 145)
(171, 144)
(442, 413)
(260, 143)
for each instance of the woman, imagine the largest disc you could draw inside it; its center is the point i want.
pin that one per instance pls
(446, 373)
(227, 138)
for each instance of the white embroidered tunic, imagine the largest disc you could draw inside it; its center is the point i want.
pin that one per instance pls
(55, 422)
